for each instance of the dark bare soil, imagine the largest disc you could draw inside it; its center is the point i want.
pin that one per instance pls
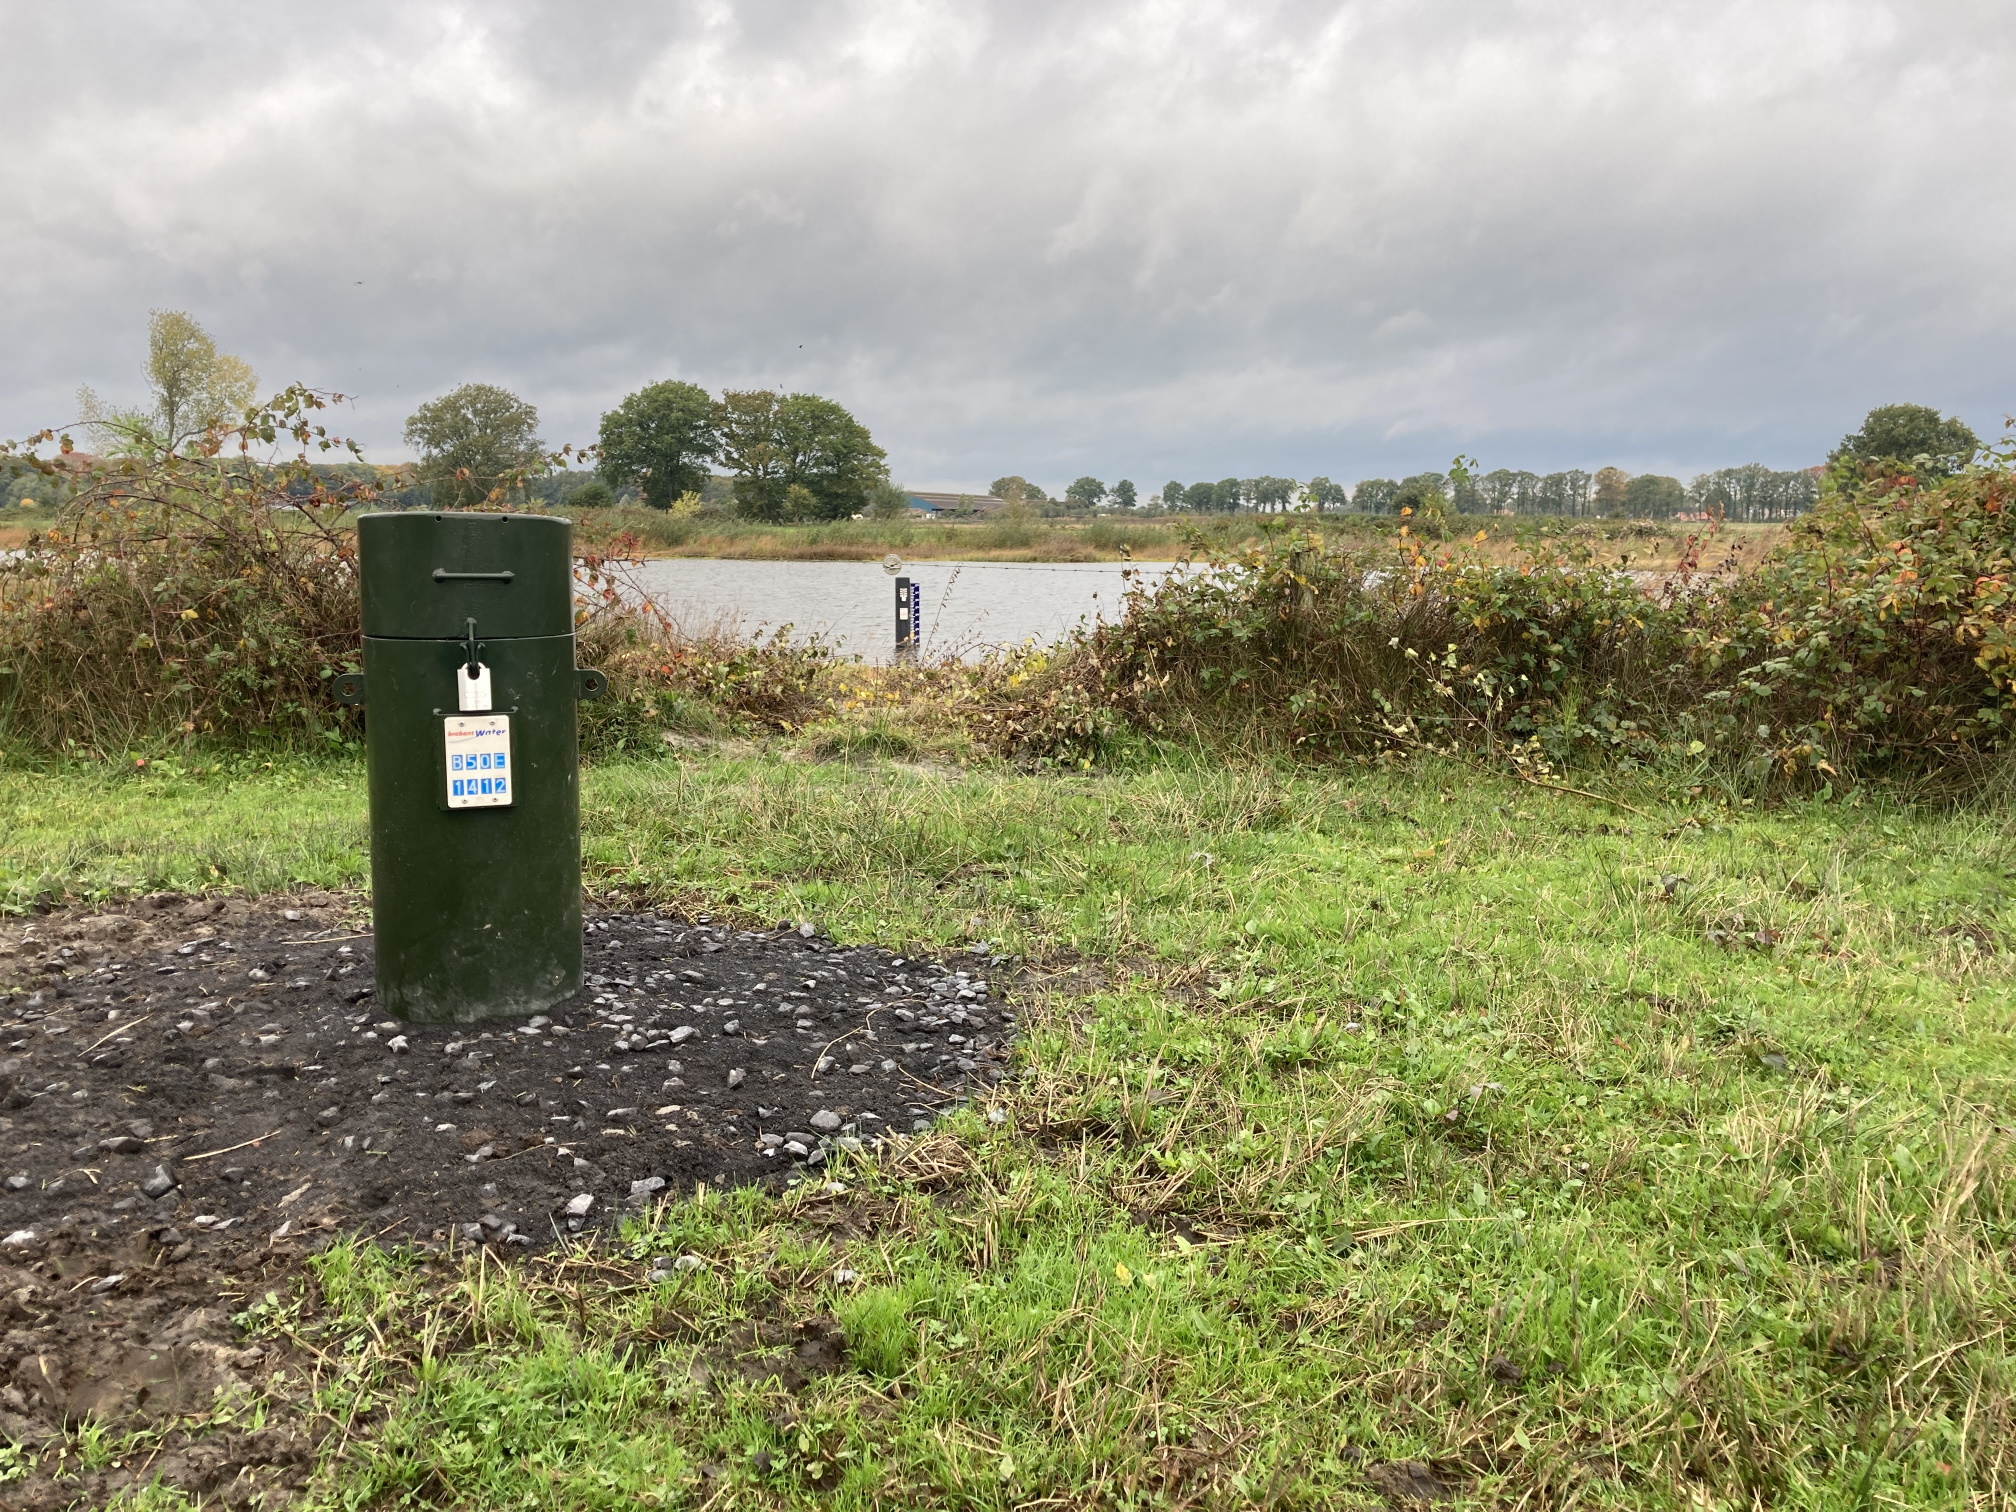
(194, 1092)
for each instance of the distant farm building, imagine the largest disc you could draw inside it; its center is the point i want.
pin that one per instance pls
(950, 505)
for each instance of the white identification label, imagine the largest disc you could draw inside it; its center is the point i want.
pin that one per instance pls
(480, 773)
(472, 693)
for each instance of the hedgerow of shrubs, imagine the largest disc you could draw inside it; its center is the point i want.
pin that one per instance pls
(201, 598)
(1879, 638)
(204, 599)
(183, 597)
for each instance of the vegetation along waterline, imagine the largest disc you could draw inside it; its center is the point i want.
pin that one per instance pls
(196, 600)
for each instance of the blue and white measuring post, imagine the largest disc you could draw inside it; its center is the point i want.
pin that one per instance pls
(909, 610)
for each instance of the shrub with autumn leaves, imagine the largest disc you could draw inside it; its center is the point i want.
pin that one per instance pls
(1880, 637)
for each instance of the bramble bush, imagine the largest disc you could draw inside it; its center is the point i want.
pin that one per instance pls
(1331, 651)
(1878, 640)
(208, 597)
(1881, 637)
(184, 596)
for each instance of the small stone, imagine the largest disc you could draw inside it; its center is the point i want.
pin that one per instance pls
(825, 1120)
(329, 1115)
(159, 1185)
(577, 1206)
(688, 1263)
(845, 1277)
(683, 1033)
(806, 930)
(737, 1076)
(850, 1144)
(645, 1187)
(19, 1239)
(473, 1232)
(17, 1183)
(398, 1044)
(107, 1283)
(888, 1066)
(797, 1147)
(291, 915)
(140, 1129)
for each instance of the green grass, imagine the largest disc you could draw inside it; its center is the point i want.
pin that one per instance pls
(1404, 1114)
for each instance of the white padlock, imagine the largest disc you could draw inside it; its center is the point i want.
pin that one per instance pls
(472, 689)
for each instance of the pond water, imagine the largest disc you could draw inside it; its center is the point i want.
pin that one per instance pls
(968, 607)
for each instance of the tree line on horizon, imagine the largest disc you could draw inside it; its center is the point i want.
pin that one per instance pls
(1909, 436)
(803, 457)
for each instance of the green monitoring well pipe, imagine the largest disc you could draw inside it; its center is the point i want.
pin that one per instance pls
(472, 755)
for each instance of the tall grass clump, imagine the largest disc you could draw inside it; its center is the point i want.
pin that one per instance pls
(184, 595)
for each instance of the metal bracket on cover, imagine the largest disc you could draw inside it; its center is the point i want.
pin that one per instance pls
(443, 575)
(588, 683)
(349, 689)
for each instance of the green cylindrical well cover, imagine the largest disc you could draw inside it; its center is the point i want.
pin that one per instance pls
(425, 574)
(477, 912)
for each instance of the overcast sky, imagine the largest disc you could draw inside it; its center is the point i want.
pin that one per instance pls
(1159, 240)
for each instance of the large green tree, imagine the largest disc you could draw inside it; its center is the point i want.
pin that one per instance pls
(1374, 495)
(1609, 491)
(831, 455)
(1322, 495)
(1016, 489)
(474, 442)
(1426, 494)
(659, 441)
(1124, 494)
(1902, 433)
(745, 428)
(1651, 496)
(1085, 493)
(796, 456)
(1270, 495)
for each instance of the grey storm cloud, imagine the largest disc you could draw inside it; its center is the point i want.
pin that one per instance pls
(1167, 238)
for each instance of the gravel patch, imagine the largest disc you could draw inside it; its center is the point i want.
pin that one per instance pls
(198, 1067)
